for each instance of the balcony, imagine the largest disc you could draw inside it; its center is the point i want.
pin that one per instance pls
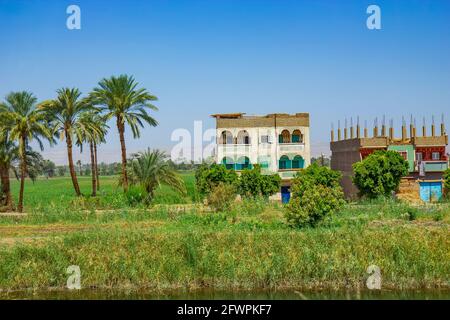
(293, 147)
(233, 149)
(436, 166)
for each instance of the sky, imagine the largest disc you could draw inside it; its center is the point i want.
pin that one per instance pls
(224, 56)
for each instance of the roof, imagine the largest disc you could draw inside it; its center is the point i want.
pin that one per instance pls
(227, 115)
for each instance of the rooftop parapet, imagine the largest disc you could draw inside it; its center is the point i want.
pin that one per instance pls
(384, 139)
(240, 120)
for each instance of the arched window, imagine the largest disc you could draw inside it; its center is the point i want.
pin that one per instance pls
(284, 137)
(226, 137)
(297, 136)
(243, 137)
(284, 163)
(228, 162)
(298, 162)
(243, 163)
(264, 161)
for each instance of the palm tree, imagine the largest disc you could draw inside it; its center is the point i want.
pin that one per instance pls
(64, 112)
(8, 152)
(120, 98)
(150, 169)
(9, 156)
(24, 122)
(94, 131)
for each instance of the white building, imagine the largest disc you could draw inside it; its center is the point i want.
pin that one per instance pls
(279, 143)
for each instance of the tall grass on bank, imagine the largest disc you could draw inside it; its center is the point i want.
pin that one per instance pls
(230, 259)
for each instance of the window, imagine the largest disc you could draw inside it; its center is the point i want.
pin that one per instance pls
(243, 163)
(297, 136)
(404, 154)
(265, 139)
(298, 162)
(419, 156)
(284, 137)
(284, 163)
(243, 137)
(436, 156)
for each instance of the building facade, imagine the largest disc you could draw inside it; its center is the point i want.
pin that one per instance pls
(279, 143)
(425, 154)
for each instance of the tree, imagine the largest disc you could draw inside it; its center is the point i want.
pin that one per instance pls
(119, 97)
(380, 173)
(61, 171)
(316, 203)
(252, 183)
(48, 168)
(64, 113)
(316, 193)
(9, 156)
(80, 169)
(150, 169)
(8, 153)
(446, 177)
(207, 177)
(315, 175)
(93, 130)
(24, 122)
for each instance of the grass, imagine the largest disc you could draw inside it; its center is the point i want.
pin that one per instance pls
(187, 246)
(59, 191)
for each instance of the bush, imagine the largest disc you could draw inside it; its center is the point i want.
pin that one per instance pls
(135, 196)
(254, 184)
(314, 205)
(222, 197)
(446, 178)
(207, 177)
(316, 193)
(380, 173)
(315, 175)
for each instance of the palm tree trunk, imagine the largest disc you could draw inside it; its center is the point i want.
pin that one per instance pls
(121, 128)
(7, 203)
(71, 166)
(96, 166)
(23, 170)
(93, 173)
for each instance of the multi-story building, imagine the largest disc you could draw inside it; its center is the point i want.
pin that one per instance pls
(279, 143)
(426, 156)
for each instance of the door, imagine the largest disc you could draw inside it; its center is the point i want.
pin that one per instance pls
(285, 194)
(430, 191)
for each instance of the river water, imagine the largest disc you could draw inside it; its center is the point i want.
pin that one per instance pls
(227, 295)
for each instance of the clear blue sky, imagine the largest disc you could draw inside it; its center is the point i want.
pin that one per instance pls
(213, 56)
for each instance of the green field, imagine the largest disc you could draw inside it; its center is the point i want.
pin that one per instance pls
(59, 191)
(179, 243)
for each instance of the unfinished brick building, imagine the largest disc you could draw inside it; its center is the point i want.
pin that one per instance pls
(426, 155)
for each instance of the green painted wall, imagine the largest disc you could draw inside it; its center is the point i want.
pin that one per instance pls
(411, 153)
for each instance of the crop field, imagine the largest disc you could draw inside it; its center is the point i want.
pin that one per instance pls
(178, 242)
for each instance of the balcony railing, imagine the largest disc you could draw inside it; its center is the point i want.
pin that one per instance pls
(433, 166)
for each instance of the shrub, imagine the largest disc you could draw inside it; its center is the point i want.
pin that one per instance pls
(446, 178)
(316, 193)
(136, 195)
(315, 204)
(254, 184)
(222, 197)
(411, 214)
(207, 177)
(380, 173)
(315, 175)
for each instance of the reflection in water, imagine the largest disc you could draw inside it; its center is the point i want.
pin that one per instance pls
(226, 295)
